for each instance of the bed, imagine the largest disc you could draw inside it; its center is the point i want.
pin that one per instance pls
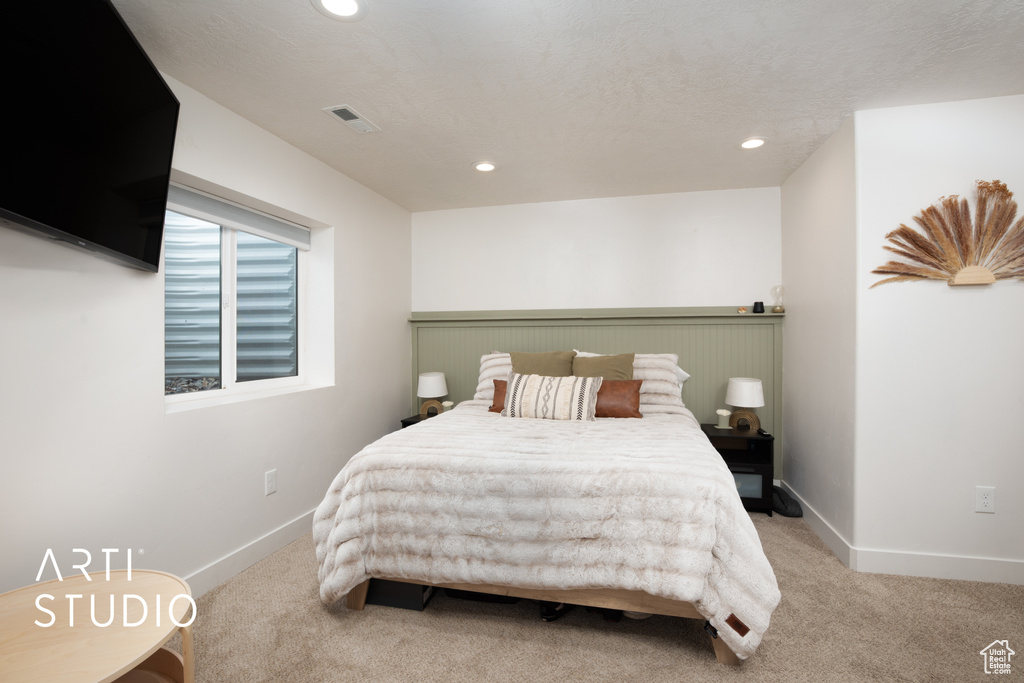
(636, 513)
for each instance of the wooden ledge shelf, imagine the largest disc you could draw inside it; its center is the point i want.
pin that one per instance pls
(583, 314)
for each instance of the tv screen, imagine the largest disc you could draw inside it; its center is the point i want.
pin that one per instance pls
(87, 130)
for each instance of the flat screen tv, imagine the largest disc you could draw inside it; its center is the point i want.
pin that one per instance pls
(87, 130)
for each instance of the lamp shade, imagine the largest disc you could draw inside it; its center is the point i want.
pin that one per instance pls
(744, 392)
(432, 385)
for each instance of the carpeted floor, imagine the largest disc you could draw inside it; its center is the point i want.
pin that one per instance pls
(268, 624)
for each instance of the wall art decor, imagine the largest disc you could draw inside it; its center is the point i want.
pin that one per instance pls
(958, 248)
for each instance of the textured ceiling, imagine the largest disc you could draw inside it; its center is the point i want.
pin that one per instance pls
(577, 98)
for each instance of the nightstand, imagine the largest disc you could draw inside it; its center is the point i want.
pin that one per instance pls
(750, 457)
(410, 421)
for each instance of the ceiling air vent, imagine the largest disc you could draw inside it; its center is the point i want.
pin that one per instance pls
(351, 118)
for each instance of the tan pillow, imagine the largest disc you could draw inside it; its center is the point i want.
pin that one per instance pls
(498, 404)
(619, 367)
(615, 398)
(548, 363)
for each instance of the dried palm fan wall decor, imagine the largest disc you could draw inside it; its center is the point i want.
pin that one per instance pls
(955, 248)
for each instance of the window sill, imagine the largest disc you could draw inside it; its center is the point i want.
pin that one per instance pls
(177, 403)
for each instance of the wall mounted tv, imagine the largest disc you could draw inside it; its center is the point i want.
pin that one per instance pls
(87, 129)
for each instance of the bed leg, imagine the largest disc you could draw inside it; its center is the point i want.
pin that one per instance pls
(357, 596)
(723, 654)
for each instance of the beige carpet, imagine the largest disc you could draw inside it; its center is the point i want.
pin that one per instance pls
(267, 624)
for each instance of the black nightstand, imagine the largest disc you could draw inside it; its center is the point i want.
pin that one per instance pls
(750, 457)
(410, 421)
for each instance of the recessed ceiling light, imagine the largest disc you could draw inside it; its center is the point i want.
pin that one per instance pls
(752, 143)
(484, 166)
(342, 10)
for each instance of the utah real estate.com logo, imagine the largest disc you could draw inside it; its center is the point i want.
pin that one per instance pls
(997, 657)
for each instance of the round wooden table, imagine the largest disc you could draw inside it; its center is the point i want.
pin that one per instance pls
(79, 639)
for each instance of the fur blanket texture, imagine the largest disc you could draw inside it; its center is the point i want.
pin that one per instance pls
(470, 496)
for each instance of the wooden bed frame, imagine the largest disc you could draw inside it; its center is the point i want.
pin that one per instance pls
(609, 598)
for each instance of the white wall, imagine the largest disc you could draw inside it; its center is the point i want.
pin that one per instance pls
(90, 457)
(819, 267)
(940, 385)
(687, 249)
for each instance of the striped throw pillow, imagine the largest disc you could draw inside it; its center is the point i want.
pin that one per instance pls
(551, 398)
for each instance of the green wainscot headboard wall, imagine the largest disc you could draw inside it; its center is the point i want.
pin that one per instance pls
(713, 344)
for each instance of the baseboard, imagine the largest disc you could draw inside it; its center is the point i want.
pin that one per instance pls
(931, 565)
(987, 569)
(219, 571)
(820, 526)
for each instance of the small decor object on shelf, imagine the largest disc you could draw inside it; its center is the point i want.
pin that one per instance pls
(744, 393)
(778, 292)
(723, 418)
(955, 249)
(758, 307)
(447, 405)
(741, 309)
(431, 386)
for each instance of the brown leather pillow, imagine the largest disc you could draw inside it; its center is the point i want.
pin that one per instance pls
(500, 386)
(615, 398)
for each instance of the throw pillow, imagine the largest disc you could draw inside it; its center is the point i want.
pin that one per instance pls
(551, 398)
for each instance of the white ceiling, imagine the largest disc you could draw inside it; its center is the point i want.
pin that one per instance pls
(577, 98)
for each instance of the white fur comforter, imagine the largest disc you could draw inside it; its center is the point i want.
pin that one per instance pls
(472, 497)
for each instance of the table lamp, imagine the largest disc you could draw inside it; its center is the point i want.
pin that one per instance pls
(744, 393)
(431, 386)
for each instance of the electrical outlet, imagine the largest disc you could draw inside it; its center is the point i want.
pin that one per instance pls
(270, 482)
(985, 499)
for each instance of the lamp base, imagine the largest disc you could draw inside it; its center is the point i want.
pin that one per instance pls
(432, 403)
(744, 419)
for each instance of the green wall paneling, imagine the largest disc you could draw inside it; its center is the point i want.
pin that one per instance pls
(713, 345)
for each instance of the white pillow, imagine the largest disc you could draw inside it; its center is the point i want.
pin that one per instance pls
(662, 388)
(494, 365)
(551, 398)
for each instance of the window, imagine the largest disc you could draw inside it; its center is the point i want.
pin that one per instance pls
(231, 295)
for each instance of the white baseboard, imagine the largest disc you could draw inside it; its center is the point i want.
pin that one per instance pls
(825, 531)
(931, 565)
(987, 569)
(219, 571)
